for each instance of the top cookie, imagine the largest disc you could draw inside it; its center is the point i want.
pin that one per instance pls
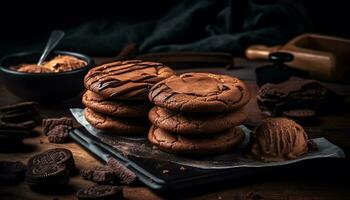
(129, 80)
(200, 92)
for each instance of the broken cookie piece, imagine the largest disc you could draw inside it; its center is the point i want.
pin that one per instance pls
(112, 173)
(49, 124)
(59, 134)
(100, 175)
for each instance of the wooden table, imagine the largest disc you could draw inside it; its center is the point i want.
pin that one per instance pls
(315, 181)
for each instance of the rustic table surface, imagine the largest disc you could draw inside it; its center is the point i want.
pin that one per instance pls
(319, 180)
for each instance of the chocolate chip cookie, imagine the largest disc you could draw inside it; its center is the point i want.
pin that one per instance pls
(126, 80)
(118, 108)
(195, 123)
(116, 125)
(213, 144)
(198, 92)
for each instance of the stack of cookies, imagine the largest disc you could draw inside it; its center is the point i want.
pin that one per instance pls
(116, 99)
(197, 113)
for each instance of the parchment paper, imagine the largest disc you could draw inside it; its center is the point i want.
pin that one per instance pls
(140, 147)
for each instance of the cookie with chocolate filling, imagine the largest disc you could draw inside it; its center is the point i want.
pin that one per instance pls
(115, 108)
(116, 125)
(211, 144)
(47, 177)
(195, 123)
(54, 156)
(126, 80)
(198, 92)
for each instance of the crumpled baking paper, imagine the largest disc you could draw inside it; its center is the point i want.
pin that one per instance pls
(140, 147)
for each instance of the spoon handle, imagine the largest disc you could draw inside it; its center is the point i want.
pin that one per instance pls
(54, 39)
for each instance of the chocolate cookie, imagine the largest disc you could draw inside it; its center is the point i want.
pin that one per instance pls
(195, 123)
(119, 108)
(126, 80)
(198, 92)
(213, 144)
(54, 156)
(47, 177)
(116, 125)
(101, 192)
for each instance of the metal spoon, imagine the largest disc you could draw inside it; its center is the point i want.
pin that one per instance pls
(55, 38)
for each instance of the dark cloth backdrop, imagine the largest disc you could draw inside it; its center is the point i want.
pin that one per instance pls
(206, 25)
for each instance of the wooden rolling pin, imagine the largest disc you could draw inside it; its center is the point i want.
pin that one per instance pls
(324, 57)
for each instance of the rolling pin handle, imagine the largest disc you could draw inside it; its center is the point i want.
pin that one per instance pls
(261, 52)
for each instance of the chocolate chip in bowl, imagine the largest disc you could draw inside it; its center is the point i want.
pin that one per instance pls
(59, 78)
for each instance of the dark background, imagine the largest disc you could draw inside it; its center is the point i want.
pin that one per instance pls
(26, 25)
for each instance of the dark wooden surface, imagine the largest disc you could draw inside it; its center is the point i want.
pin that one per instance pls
(315, 180)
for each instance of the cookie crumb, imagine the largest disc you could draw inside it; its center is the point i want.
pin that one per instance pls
(182, 168)
(254, 196)
(165, 171)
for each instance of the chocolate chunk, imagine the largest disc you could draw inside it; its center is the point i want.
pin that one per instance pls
(105, 192)
(47, 177)
(18, 106)
(18, 113)
(54, 156)
(49, 124)
(59, 134)
(296, 94)
(125, 175)
(11, 172)
(100, 175)
(28, 125)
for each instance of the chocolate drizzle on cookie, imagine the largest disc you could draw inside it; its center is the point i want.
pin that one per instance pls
(126, 79)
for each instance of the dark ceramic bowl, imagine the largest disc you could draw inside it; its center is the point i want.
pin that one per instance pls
(43, 87)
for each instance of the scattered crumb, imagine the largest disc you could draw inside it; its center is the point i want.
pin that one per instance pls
(254, 196)
(219, 197)
(182, 168)
(165, 171)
